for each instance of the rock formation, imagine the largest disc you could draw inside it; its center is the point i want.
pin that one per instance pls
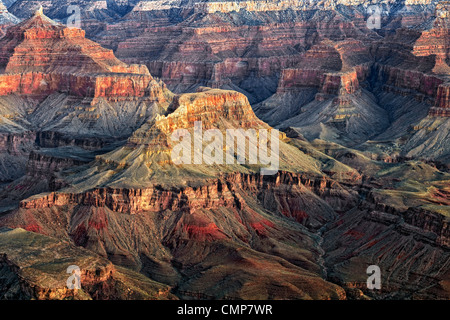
(87, 141)
(34, 58)
(63, 84)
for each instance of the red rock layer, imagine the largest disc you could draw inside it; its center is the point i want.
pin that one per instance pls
(340, 83)
(215, 55)
(432, 42)
(40, 56)
(435, 41)
(335, 68)
(337, 83)
(157, 199)
(408, 79)
(109, 86)
(442, 105)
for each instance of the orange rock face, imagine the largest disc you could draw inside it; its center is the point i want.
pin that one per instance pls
(40, 56)
(210, 107)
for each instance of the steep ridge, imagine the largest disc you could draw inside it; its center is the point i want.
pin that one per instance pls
(56, 83)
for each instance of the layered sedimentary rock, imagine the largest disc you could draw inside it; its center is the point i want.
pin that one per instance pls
(151, 147)
(211, 206)
(60, 89)
(220, 53)
(329, 79)
(105, 178)
(434, 42)
(427, 139)
(40, 55)
(442, 105)
(241, 45)
(218, 222)
(229, 6)
(404, 74)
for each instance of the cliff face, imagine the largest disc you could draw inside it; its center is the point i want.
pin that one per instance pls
(398, 78)
(329, 77)
(47, 63)
(246, 210)
(40, 56)
(327, 83)
(442, 105)
(214, 194)
(243, 44)
(217, 53)
(265, 6)
(346, 85)
(87, 151)
(435, 42)
(62, 89)
(218, 215)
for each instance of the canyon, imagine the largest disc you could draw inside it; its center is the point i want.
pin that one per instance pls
(87, 178)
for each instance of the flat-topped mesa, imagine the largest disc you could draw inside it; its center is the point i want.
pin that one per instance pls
(214, 108)
(40, 56)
